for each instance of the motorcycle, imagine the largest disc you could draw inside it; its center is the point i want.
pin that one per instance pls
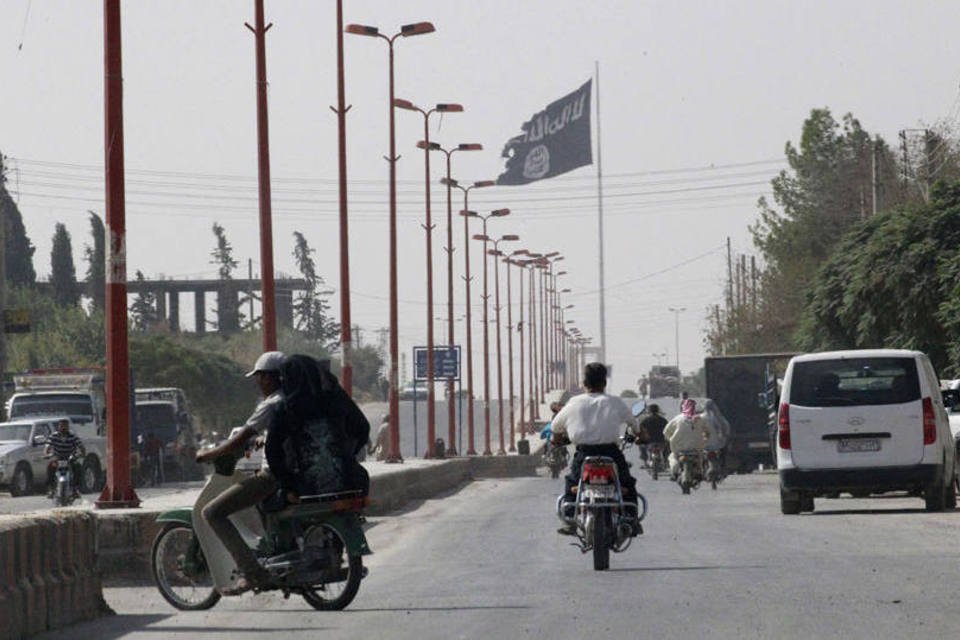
(690, 474)
(556, 459)
(603, 521)
(64, 491)
(713, 474)
(657, 461)
(313, 549)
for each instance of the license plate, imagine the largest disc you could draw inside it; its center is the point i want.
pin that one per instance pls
(758, 445)
(858, 444)
(594, 491)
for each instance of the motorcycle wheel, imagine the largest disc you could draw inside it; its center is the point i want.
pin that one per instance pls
(194, 592)
(655, 470)
(554, 472)
(335, 595)
(713, 484)
(601, 544)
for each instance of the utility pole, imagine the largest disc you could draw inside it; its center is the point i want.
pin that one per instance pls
(873, 177)
(676, 314)
(346, 341)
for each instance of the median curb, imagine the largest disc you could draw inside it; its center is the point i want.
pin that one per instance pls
(49, 577)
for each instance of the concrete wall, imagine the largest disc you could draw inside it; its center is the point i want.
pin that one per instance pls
(48, 573)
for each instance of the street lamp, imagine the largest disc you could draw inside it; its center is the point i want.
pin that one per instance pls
(428, 227)
(676, 315)
(467, 214)
(408, 30)
(449, 183)
(496, 253)
(486, 325)
(520, 326)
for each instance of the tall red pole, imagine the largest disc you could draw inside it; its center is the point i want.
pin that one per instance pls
(520, 325)
(511, 447)
(532, 323)
(428, 227)
(346, 337)
(394, 454)
(486, 350)
(471, 447)
(543, 336)
(451, 388)
(118, 491)
(496, 285)
(263, 179)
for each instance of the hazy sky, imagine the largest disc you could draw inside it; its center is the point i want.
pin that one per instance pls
(683, 86)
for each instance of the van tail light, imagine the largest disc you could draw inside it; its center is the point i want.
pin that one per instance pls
(929, 422)
(783, 422)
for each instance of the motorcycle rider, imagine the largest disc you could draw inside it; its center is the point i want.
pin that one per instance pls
(653, 424)
(591, 421)
(62, 445)
(687, 431)
(252, 489)
(720, 431)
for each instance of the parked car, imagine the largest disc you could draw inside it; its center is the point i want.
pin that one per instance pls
(864, 422)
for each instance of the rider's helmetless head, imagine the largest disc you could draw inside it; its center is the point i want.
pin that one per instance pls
(63, 426)
(595, 377)
(266, 370)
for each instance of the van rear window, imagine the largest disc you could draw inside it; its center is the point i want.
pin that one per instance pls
(854, 382)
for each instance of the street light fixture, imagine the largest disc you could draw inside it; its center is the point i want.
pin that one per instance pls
(450, 183)
(497, 213)
(408, 30)
(426, 145)
(496, 253)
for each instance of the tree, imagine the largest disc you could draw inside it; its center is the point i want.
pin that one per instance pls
(368, 367)
(892, 282)
(222, 254)
(63, 273)
(143, 311)
(19, 250)
(96, 261)
(312, 307)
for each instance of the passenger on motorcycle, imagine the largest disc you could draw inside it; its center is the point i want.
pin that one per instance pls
(719, 429)
(318, 432)
(547, 432)
(688, 431)
(255, 488)
(62, 445)
(592, 421)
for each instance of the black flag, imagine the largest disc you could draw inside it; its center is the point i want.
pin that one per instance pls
(554, 141)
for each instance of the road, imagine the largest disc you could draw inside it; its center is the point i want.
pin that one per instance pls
(486, 563)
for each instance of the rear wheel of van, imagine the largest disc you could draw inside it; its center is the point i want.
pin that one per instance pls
(806, 503)
(935, 497)
(789, 502)
(951, 501)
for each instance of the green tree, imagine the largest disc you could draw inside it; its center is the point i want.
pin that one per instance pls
(222, 254)
(892, 282)
(63, 273)
(143, 311)
(19, 251)
(312, 307)
(368, 367)
(96, 261)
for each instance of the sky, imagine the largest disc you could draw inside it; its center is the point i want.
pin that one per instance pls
(697, 100)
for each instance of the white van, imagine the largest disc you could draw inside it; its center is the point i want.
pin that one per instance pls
(863, 422)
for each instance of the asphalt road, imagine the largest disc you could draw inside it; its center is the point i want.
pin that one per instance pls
(486, 563)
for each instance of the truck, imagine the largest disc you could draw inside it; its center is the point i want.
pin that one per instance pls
(744, 388)
(164, 412)
(664, 382)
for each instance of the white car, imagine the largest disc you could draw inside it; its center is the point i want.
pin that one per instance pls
(864, 422)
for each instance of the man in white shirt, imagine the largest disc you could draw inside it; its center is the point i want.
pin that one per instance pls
(592, 422)
(687, 431)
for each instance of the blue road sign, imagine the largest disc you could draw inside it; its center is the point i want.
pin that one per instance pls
(446, 363)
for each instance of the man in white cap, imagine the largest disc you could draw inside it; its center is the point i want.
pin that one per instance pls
(253, 489)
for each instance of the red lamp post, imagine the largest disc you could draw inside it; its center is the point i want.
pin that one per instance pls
(415, 29)
(509, 261)
(496, 253)
(428, 227)
(467, 214)
(449, 183)
(486, 325)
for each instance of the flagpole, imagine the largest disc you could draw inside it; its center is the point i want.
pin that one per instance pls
(603, 315)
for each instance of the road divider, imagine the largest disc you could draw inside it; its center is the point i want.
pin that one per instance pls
(49, 577)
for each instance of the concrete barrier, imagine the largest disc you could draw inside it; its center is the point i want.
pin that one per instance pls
(48, 573)
(53, 566)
